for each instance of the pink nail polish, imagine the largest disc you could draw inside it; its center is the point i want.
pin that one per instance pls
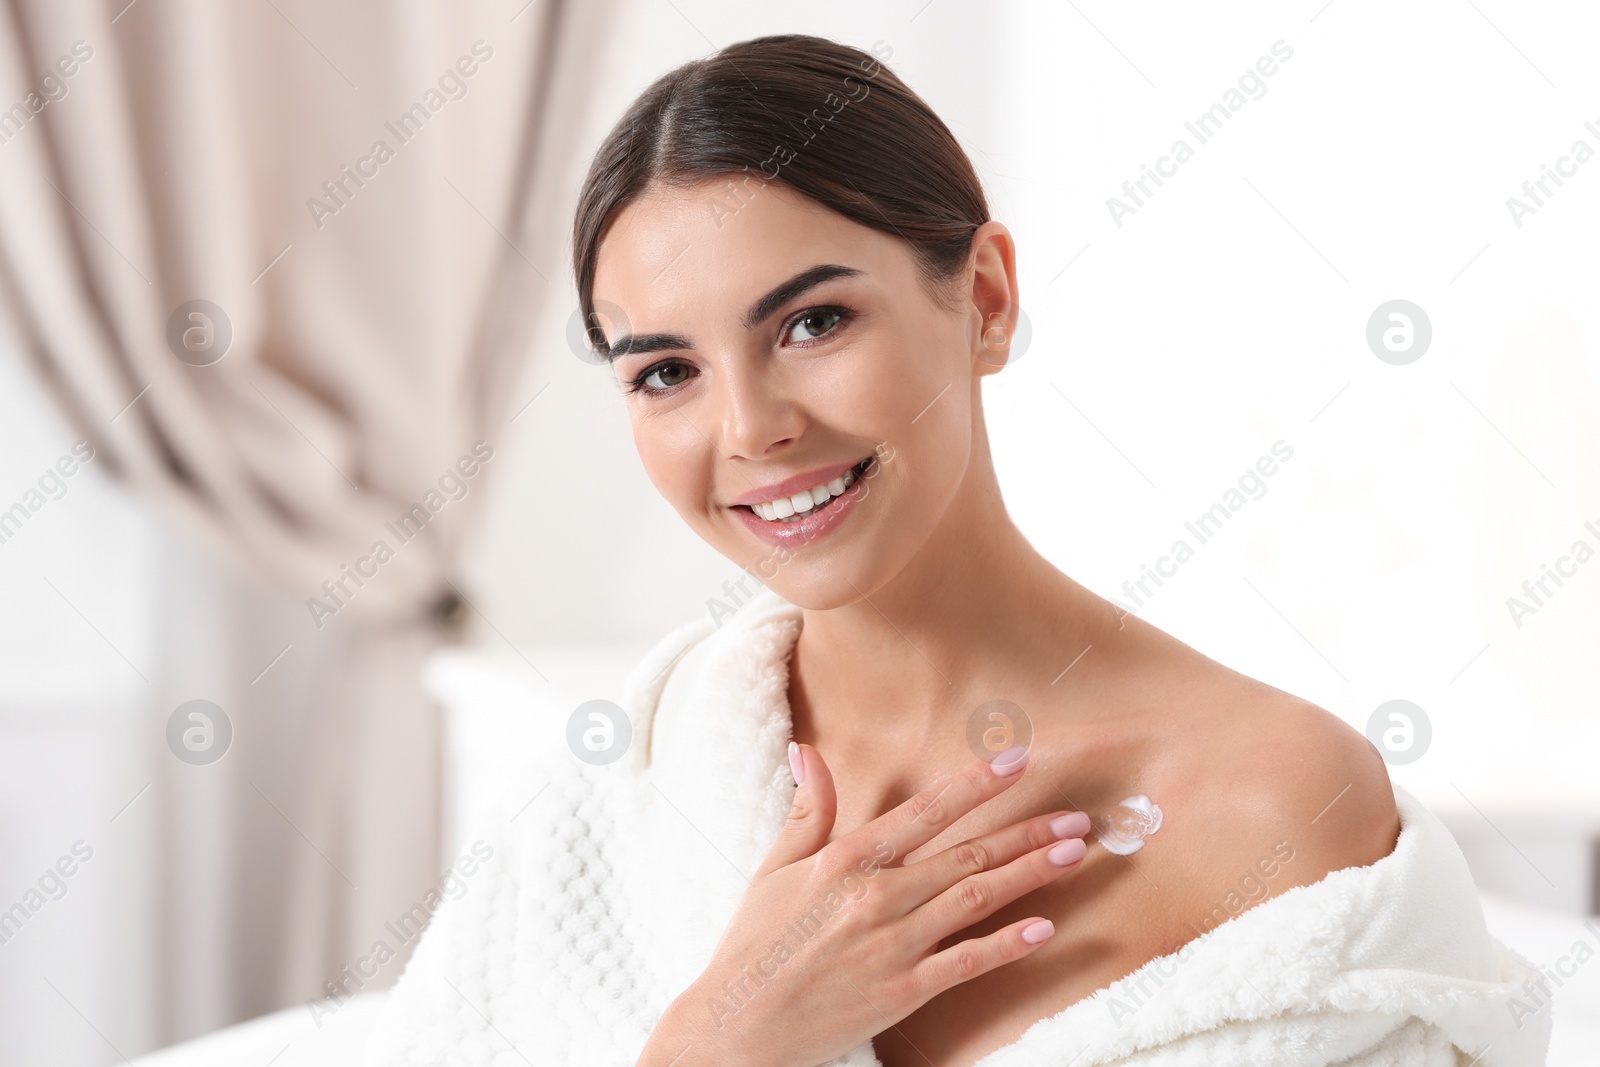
(1072, 824)
(1070, 851)
(1037, 932)
(1009, 762)
(796, 764)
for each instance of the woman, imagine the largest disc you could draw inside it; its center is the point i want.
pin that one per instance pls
(794, 277)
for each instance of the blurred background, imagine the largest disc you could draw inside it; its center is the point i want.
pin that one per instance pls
(284, 281)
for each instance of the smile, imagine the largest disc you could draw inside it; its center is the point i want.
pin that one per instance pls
(808, 502)
(806, 514)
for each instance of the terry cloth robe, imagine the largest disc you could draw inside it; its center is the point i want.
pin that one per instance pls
(606, 895)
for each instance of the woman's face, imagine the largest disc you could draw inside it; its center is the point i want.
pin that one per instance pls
(768, 347)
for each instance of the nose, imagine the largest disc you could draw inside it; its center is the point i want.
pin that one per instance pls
(757, 417)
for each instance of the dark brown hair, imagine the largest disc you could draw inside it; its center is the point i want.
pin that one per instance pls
(827, 120)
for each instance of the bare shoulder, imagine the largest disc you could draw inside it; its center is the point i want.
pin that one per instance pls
(1289, 792)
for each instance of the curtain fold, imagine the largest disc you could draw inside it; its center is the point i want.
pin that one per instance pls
(278, 262)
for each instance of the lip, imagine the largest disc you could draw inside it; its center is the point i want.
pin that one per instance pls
(791, 486)
(814, 526)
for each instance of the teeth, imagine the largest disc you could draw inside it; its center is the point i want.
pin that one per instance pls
(803, 503)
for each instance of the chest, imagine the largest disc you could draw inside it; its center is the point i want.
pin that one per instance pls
(1112, 914)
(1110, 919)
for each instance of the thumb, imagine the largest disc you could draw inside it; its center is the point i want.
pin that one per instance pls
(811, 815)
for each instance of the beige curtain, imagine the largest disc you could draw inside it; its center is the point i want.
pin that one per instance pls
(278, 261)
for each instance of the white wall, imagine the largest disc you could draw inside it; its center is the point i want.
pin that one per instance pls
(1229, 312)
(78, 580)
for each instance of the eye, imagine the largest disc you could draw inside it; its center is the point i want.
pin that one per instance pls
(661, 378)
(813, 323)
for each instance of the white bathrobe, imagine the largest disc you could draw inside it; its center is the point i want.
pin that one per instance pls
(606, 895)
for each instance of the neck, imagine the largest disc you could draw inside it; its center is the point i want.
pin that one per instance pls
(970, 619)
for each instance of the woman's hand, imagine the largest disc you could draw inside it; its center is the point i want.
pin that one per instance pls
(834, 940)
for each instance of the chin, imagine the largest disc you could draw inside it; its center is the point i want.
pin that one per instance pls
(817, 583)
(822, 594)
(838, 574)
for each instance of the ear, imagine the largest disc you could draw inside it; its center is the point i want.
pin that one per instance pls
(994, 297)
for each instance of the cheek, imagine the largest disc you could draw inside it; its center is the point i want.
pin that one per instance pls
(934, 432)
(914, 397)
(674, 459)
(917, 392)
(879, 386)
(929, 465)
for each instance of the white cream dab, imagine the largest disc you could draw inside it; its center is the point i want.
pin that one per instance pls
(1126, 828)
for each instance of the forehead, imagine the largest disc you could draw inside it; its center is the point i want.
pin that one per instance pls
(723, 243)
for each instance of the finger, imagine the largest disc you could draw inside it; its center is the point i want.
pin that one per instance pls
(924, 816)
(980, 895)
(810, 816)
(919, 882)
(967, 959)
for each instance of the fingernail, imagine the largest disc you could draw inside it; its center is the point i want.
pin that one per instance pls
(1009, 762)
(1037, 932)
(796, 764)
(1070, 851)
(1072, 824)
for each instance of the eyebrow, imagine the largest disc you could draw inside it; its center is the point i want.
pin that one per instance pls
(762, 309)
